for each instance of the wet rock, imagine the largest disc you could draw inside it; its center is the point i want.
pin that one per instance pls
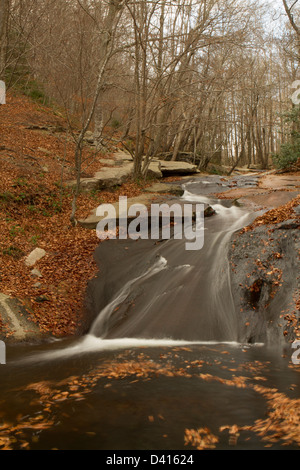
(17, 321)
(92, 221)
(288, 225)
(297, 210)
(265, 280)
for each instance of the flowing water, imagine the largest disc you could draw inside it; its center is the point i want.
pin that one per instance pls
(163, 356)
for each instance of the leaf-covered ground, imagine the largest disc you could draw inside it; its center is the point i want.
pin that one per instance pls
(36, 156)
(35, 211)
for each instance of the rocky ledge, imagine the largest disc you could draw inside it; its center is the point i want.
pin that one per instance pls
(121, 168)
(265, 282)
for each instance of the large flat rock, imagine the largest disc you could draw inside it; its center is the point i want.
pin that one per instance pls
(166, 188)
(111, 176)
(15, 317)
(107, 178)
(178, 168)
(92, 221)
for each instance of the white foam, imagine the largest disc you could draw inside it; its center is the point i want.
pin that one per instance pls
(91, 344)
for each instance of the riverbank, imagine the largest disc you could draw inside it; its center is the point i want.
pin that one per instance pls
(265, 261)
(35, 207)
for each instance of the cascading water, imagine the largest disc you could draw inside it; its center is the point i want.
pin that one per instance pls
(100, 326)
(162, 355)
(178, 296)
(188, 299)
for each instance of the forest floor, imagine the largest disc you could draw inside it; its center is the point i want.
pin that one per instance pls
(34, 212)
(35, 207)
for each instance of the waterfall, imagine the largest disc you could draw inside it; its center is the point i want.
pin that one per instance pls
(101, 324)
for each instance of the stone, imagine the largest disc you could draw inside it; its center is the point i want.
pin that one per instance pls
(36, 273)
(145, 199)
(297, 210)
(165, 188)
(123, 157)
(89, 137)
(106, 178)
(107, 161)
(92, 221)
(290, 224)
(44, 151)
(86, 184)
(122, 169)
(116, 176)
(178, 168)
(35, 256)
(41, 299)
(154, 170)
(17, 319)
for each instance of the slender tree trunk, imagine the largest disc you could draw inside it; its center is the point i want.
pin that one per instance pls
(4, 8)
(106, 45)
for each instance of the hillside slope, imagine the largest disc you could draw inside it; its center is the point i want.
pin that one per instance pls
(34, 213)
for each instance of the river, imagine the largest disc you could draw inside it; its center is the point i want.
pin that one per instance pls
(163, 366)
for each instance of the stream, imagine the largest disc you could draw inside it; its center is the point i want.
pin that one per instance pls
(163, 355)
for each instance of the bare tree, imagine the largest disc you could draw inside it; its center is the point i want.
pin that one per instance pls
(290, 14)
(4, 9)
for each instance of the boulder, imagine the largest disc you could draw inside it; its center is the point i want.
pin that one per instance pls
(165, 188)
(87, 184)
(107, 177)
(19, 326)
(110, 177)
(178, 168)
(145, 199)
(107, 161)
(34, 257)
(154, 170)
(89, 137)
(36, 273)
(122, 157)
(92, 221)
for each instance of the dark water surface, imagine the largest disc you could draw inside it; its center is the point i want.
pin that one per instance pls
(113, 407)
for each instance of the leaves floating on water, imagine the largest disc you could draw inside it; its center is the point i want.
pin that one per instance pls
(201, 438)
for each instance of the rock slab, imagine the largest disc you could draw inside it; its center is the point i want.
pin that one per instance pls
(34, 257)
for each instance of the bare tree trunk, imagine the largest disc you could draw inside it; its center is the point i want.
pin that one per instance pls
(98, 124)
(106, 45)
(4, 8)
